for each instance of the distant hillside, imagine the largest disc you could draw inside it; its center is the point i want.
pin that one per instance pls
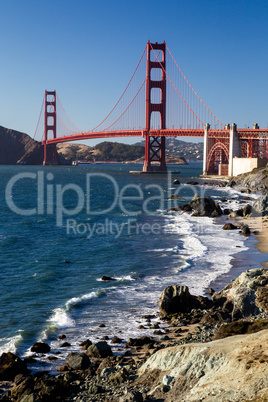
(17, 147)
(105, 151)
(20, 148)
(112, 151)
(191, 151)
(176, 149)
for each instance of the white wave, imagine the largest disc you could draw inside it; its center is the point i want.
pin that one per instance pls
(77, 300)
(10, 344)
(124, 278)
(61, 319)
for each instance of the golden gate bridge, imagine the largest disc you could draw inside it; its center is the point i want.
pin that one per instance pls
(158, 102)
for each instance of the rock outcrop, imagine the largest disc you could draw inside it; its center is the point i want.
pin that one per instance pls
(10, 366)
(261, 205)
(177, 299)
(246, 295)
(233, 368)
(202, 206)
(257, 180)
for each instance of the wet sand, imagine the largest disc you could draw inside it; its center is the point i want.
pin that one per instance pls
(254, 257)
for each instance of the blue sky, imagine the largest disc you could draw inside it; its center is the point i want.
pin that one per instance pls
(87, 51)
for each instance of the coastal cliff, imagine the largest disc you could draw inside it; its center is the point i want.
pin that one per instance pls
(256, 180)
(19, 148)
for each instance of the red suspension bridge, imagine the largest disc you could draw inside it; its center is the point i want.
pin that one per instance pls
(158, 102)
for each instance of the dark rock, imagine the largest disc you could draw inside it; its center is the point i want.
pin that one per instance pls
(229, 226)
(116, 340)
(77, 361)
(10, 366)
(65, 345)
(107, 278)
(192, 183)
(52, 357)
(245, 229)
(85, 344)
(185, 208)
(143, 340)
(62, 337)
(105, 338)
(176, 181)
(227, 211)
(247, 210)
(256, 232)
(102, 326)
(99, 349)
(40, 347)
(177, 299)
(204, 206)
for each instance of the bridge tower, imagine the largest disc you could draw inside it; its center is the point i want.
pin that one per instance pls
(155, 145)
(50, 152)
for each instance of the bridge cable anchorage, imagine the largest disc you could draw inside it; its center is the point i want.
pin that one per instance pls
(122, 94)
(193, 88)
(176, 88)
(38, 122)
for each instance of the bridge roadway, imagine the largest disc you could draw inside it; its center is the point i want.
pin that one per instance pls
(128, 133)
(216, 133)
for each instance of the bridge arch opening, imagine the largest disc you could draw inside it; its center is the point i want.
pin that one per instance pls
(218, 159)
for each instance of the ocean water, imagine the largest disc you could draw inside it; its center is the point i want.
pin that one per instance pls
(63, 228)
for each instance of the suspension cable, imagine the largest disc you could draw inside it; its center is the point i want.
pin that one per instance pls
(39, 118)
(193, 88)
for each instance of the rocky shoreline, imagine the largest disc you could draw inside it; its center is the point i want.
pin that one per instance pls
(95, 374)
(197, 343)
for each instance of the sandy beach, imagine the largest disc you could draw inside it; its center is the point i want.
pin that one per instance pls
(260, 225)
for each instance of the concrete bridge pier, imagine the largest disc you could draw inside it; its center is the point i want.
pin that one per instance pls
(205, 149)
(234, 147)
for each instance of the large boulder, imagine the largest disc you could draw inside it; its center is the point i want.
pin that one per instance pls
(77, 361)
(246, 295)
(143, 340)
(204, 206)
(261, 205)
(177, 299)
(99, 349)
(40, 347)
(10, 366)
(229, 226)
